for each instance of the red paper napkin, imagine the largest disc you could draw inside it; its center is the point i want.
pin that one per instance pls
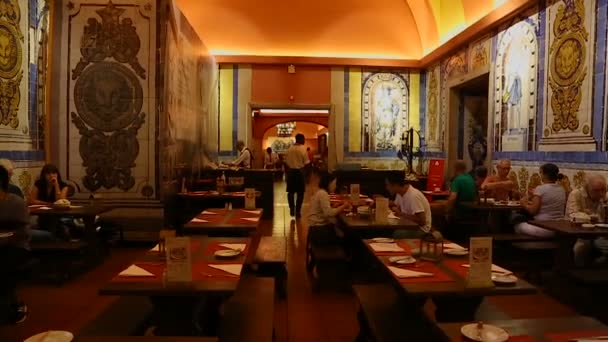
(439, 276)
(565, 336)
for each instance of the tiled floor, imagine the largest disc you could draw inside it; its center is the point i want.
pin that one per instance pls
(304, 316)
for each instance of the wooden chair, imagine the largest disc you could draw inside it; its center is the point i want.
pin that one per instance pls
(326, 262)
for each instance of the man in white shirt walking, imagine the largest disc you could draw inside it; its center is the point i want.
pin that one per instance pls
(296, 160)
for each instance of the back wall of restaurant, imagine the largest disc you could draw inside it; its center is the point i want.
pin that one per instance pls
(356, 94)
(547, 93)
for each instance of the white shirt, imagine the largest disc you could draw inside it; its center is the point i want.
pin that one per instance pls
(244, 159)
(414, 202)
(296, 157)
(552, 202)
(321, 212)
(270, 159)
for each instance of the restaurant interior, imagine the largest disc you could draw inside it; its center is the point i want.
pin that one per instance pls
(303, 170)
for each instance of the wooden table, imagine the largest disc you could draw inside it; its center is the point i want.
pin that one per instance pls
(223, 222)
(448, 287)
(538, 327)
(435, 195)
(202, 253)
(491, 207)
(566, 234)
(497, 215)
(368, 227)
(180, 307)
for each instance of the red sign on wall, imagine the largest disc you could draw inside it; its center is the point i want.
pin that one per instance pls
(436, 172)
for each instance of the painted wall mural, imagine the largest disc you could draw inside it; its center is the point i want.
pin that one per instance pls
(11, 55)
(515, 77)
(568, 112)
(108, 99)
(385, 110)
(111, 86)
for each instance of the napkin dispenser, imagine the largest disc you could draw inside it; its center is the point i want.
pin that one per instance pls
(382, 210)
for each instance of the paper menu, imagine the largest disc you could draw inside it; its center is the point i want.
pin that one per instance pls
(480, 262)
(355, 192)
(179, 259)
(382, 210)
(249, 198)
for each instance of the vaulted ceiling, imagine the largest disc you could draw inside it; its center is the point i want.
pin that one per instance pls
(396, 29)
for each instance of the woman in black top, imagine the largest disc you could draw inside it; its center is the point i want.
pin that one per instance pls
(49, 187)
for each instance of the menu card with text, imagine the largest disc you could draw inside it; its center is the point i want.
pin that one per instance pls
(179, 259)
(480, 262)
(382, 210)
(249, 198)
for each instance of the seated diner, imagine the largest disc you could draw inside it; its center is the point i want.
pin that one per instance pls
(499, 186)
(409, 203)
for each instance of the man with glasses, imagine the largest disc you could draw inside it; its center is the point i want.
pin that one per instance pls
(499, 186)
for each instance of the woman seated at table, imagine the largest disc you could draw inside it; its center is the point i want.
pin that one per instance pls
(46, 190)
(322, 217)
(548, 202)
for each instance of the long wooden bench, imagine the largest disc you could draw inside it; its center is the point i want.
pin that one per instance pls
(270, 260)
(135, 224)
(125, 316)
(589, 277)
(249, 314)
(59, 259)
(384, 316)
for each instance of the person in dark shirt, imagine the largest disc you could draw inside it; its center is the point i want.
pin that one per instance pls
(14, 242)
(12, 188)
(49, 187)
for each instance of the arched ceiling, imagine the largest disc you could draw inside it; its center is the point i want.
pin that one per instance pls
(396, 29)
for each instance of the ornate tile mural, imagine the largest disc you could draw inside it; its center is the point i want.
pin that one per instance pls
(433, 132)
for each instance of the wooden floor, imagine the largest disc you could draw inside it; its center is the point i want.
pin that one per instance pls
(304, 316)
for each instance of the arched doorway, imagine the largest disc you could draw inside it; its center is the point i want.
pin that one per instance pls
(281, 136)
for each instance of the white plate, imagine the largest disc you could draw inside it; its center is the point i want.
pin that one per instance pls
(52, 336)
(456, 252)
(383, 240)
(601, 225)
(504, 279)
(489, 333)
(402, 260)
(227, 253)
(588, 225)
(6, 235)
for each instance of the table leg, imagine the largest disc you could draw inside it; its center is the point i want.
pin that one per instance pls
(90, 236)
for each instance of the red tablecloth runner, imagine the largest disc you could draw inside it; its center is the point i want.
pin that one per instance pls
(200, 272)
(194, 245)
(403, 244)
(565, 336)
(214, 247)
(456, 266)
(439, 276)
(245, 213)
(511, 339)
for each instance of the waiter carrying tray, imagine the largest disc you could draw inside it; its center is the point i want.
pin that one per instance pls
(296, 159)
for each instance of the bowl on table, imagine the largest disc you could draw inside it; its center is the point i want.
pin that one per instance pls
(62, 204)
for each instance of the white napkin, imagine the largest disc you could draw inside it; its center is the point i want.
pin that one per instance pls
(256, 212)
(452, 245)
(230, 268)
(495, 268)
(391, 215)
(403, 273)
(196, 219)
(234, 246)
(135, 271)
(155, 248)
(385, 247)
(43, 208)
(252, 219)
(206, 212)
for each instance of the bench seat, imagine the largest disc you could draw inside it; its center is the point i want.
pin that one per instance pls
(135, 224)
